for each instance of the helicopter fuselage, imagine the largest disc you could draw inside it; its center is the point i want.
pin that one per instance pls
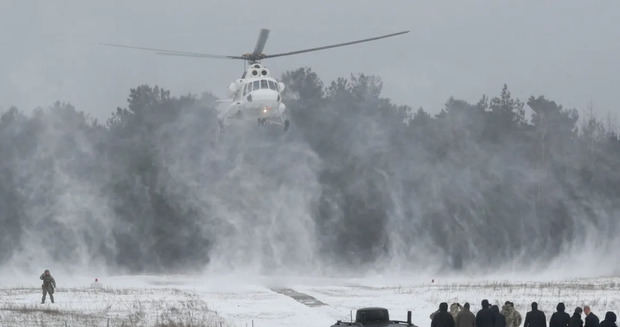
(256, 96)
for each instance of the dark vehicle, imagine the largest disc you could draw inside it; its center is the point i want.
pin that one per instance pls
(374, 317)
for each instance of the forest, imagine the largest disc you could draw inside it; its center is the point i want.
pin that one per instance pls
(357, 183)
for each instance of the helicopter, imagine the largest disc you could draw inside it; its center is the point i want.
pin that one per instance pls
(257, 94)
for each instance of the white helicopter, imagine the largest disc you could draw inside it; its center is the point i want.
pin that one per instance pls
(256, 95)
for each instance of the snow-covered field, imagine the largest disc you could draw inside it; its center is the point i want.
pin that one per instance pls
(105, 306)
(239, 301)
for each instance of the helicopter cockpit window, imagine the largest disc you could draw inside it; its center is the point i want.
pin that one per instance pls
(273, 85)
(263, 84)
(255, 85)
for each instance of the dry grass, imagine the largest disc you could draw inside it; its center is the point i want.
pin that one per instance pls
(108, 308)
(29, 309)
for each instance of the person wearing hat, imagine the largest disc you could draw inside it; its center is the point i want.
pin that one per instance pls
(49, 284)
(610, 320)
(484, 317)
(535, 318)
(560, 318)
(498, 319)
(575, 320)
(443, 318)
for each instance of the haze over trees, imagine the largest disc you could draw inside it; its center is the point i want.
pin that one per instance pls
(357, 181)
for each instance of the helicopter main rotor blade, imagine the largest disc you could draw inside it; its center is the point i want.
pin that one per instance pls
(197, 55)
(174, 52)
(260, 43)
(333, 45)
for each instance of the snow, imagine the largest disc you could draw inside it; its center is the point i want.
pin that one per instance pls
(242, 301)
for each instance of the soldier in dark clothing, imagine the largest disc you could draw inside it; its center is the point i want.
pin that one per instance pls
(465, 318)
(49, 284)
(498, 319)
(559, 318)
(443, 318)
(484, 317)
(610, 320)
(575, 320)
(591, 318)
(535, 318)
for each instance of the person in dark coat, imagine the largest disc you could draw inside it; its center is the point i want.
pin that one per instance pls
(49, 284)
(498, 319)
(591, 318)
(443, 318)
(575, 320)
(465, 318)
(484, 317)
(535, 318)
(559, 318)
(610, 320)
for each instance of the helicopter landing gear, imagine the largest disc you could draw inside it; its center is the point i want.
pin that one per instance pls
(265, 122)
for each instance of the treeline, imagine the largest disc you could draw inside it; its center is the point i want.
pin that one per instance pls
(473, 186)
(357, 180)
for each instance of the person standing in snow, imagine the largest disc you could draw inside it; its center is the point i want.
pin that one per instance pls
(455, 308)
(433, 314)
(498, 319)
(591, 318)
(49, 284)
(513, 317)
(535, 318)
(484, 317)
(575, 320)
(465, 318)
(610, 320)
(443, 318)
(559, 318)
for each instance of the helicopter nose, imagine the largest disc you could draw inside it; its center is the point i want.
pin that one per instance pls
(265, 96)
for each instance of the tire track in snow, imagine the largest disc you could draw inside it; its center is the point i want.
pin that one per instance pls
(302, 298)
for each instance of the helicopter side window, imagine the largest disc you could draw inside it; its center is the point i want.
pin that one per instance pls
(272, 85)
(255, 85)
(263, 84)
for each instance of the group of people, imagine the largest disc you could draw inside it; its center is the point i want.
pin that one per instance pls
(508, 316)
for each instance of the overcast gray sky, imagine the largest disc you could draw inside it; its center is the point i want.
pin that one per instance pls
(567, 50)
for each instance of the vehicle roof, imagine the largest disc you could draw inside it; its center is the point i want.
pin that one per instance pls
(371, 308)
